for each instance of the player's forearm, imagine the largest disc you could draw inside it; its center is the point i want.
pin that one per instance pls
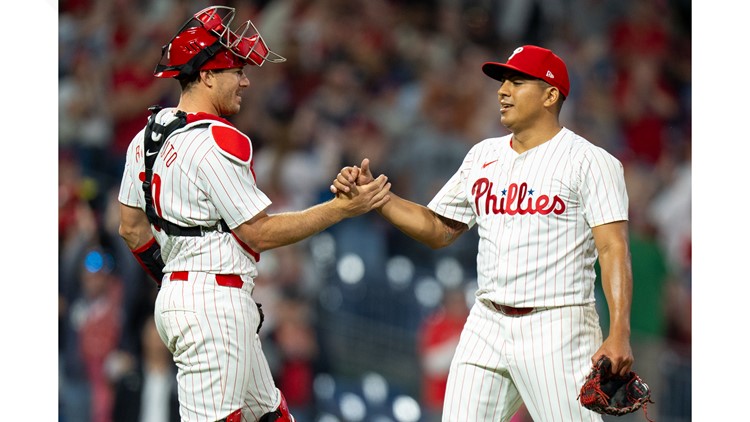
(617, 283)
(135, 238)
(416, 221)
(134, 228)
(617, 277)
(273, 231)
(266, 232)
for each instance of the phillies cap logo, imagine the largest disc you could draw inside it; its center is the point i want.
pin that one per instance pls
(516, 51)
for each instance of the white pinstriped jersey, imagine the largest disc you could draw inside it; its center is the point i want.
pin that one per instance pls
(200, 176)
(534, 213)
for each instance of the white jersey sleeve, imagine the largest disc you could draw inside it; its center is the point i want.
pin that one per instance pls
(452, 201)
(602, 187)
(131, 188)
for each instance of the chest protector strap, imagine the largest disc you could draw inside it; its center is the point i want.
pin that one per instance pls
(155, 135)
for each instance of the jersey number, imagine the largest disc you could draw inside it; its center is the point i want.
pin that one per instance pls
(155, 191)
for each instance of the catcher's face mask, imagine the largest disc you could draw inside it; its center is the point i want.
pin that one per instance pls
(205, 42)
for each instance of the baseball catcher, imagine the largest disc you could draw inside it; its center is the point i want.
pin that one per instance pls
(614, 394)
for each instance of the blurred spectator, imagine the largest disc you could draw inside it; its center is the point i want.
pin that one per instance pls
(133, 87)
(427, 153)
(92, 330)
(670, 212)
(437, 340)
(78, 232)
(675, 396)
(82, 125)
(592, 20)
(646, 107)
(69, 185)
(75, 391)
(296, 342)
(433, 148)
(363, 137)
(640, 33)
(83, 27)
(139, 290)
(646, 103)
(146, 388)
(300, 166)
(268, 292)
(528, 21)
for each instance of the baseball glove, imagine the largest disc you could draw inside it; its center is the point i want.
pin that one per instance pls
(612, 394)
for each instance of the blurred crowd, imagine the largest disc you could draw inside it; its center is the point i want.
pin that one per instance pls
(398, 82)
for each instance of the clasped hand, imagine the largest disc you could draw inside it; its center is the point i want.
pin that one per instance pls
(352, 176)
(360, 191)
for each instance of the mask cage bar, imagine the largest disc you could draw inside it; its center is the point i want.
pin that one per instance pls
(236, 41)
(257, 42)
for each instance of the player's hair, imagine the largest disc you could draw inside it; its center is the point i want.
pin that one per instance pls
(559, 104)
(188, 81)
(560, 99)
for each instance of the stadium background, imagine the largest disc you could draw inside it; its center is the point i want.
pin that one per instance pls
(398, 82)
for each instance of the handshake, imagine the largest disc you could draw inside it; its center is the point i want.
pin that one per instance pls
(358, 191)
(416, 221)
(352, 176)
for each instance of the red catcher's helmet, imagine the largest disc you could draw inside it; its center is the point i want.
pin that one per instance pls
(205, 42)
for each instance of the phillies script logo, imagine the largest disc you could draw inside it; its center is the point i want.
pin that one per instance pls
(514, 200)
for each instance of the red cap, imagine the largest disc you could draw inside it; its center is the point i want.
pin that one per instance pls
(534, 61)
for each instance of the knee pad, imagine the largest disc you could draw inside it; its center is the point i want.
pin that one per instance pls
(281, 414)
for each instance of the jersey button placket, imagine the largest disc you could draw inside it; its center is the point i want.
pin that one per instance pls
(506, 171)
(515, 171)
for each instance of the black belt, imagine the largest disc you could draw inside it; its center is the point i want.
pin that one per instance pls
(511, 311)
(195, 231)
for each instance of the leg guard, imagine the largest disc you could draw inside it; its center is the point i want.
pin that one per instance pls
(281, 414)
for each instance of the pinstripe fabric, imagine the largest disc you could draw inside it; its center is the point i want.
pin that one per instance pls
(534, 213)
(211, 332)
(540, 359)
